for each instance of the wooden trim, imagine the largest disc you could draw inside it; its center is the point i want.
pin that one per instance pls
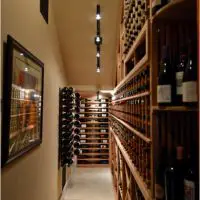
(174, 108)
(132, 97)
(139, 66)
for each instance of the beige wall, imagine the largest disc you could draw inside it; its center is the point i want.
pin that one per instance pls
(35, 175)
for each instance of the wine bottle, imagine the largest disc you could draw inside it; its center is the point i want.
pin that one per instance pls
(189, 180)
(190, 96)
(76, 144)
(160, 179)
(76, 130)
(164, 87)
(174, 175)
(77, 152)
(77, 137)
(180, 68)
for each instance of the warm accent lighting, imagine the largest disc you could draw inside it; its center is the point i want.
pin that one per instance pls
(98, 70)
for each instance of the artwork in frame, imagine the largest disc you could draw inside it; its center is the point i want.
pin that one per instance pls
(22, 109)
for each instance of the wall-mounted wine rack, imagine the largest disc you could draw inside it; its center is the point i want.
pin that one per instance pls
(69, 126)
(146, 127)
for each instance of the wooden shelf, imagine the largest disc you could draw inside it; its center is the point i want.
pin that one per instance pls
(143, 188)
(93, 154)
(92, 165)
(177, 9)
(146, 139)
(93, 117)
(93, 112)
(174, 108)
(94, 138)
(95, 103)
(93, 107)
(94, 128)
(132, 97)
(94, 148)
(94, 122)
(93, 158)
(93, 133)
(94, 143)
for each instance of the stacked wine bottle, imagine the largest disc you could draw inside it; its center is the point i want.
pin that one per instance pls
(77, 124)
(69, 125)
(134, 20)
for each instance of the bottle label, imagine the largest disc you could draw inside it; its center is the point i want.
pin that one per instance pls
(159, 191)
(164, 94)
(189, 190)
(190, 91)
(156, 3)
(179, 83)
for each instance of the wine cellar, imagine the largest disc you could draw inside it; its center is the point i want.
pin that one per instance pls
(153, 114)
(100, 100)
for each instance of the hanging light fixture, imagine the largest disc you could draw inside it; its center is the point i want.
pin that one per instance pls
(98, 39)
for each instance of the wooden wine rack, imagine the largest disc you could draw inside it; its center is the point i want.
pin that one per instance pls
(127, 180)
(95, 149)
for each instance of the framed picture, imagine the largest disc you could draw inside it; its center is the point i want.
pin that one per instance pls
(22, 108)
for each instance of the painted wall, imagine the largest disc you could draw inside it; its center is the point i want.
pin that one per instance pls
(35, 175)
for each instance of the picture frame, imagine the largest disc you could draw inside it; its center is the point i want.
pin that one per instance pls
(22, 105)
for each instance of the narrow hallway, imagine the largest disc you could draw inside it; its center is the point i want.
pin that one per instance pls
(89, 184)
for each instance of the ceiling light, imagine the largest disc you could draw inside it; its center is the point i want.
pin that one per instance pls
(26, 69)
(21, 54)
(98, 70)
(98, 40)
(98, 16)
(98, 54)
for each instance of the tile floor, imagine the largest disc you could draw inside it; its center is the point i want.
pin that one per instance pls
(90, 184)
